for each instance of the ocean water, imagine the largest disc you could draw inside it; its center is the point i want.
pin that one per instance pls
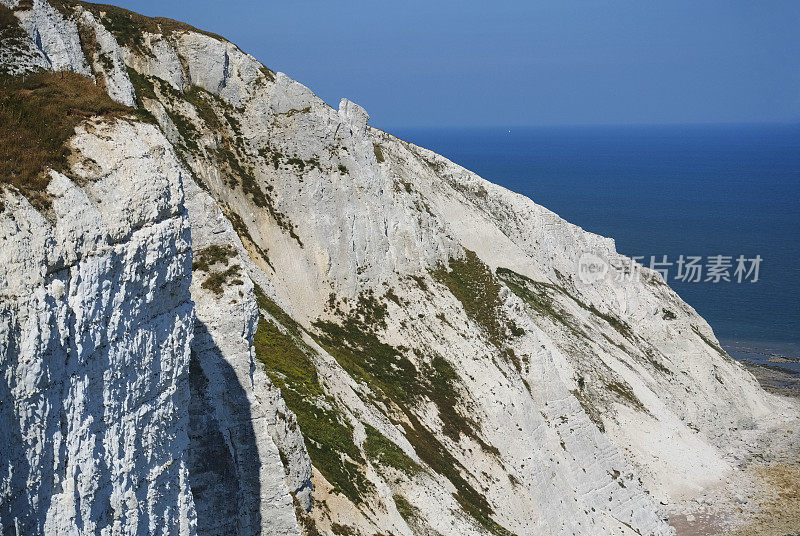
(669, 190)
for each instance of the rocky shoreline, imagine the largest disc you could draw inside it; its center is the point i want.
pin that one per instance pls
(775, 379)
(764, 500)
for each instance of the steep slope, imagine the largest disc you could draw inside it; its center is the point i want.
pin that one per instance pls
(94, 343)
(373, 320)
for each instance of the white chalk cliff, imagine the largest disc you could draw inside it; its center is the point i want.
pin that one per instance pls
(246, 312)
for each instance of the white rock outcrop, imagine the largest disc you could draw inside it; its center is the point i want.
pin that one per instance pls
(96, 323)
(54, 35)
(108, 62)
(237, 442)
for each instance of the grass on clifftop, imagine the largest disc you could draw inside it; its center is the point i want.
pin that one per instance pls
(129, 27)
(38, 114)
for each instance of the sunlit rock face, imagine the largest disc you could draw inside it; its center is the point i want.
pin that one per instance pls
(96, 323)
(249, 312)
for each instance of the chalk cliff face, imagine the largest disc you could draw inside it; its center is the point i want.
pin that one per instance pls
(248, 312)
(95, 343)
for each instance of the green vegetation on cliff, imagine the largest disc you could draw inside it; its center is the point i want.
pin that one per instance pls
(402, 386)
(328, 435)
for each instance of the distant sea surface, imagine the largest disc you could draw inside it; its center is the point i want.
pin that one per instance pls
(669, 190)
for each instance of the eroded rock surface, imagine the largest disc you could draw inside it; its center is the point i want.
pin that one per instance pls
(94, 344)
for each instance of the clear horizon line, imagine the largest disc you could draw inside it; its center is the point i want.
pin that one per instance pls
(795, 122)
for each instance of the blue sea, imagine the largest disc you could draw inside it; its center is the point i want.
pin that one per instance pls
(669, 190)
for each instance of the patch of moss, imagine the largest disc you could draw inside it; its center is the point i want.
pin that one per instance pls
(401, 185)
(591, 410)
(89, 44)
(539, 295)
(94, 54)
(655, 361)
(622, 327)
(301, 164)
(624, 392)
(241, 229)
(442, 392)
(342, 530)
(383, 452)
(387, 372)
(287, 363)
(293, 111)
(405, 508)
(268, 73)
(433, 453)
(367, 359)
(307, 524)
(142, 86)
(420, 281)
(470, 190)
(329, 437)
(261, 199)
(106, 62)
(190, 135)
(390, 295)
(413, 517)
(12, 36)
(717, 348)
(202, 101)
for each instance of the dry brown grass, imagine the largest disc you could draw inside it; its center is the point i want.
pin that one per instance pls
(38, 114)
(9, 26)
(7, 19)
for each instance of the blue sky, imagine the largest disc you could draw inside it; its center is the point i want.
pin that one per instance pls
(524, 62)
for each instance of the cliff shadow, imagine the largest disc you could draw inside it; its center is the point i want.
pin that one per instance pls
(224, 464)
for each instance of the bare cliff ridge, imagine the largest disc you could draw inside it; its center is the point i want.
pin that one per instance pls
(228, 308)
